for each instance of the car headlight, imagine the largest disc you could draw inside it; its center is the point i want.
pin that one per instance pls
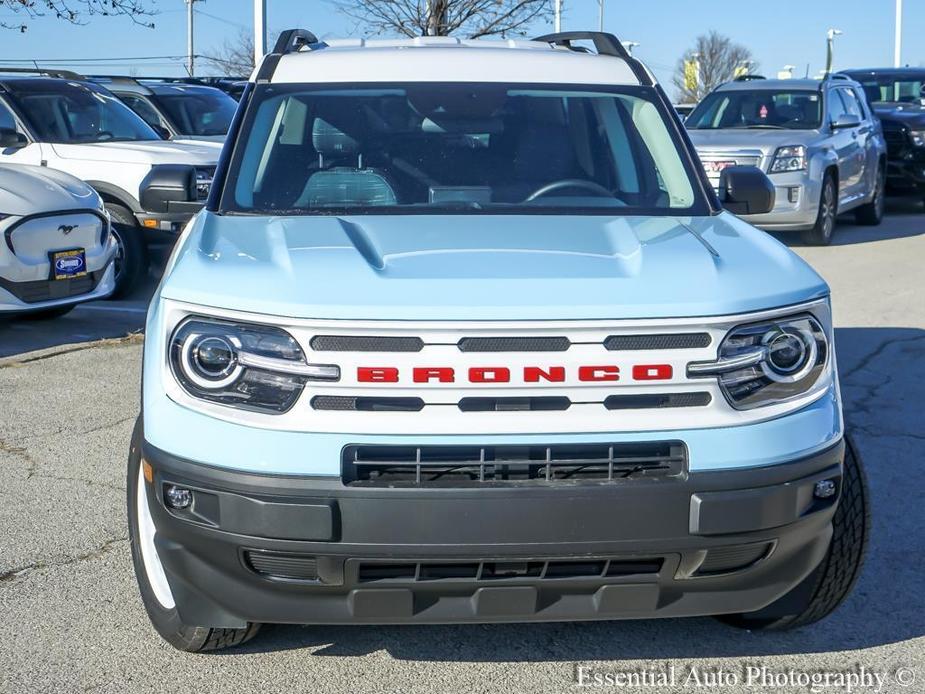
(789, 158)
(918, 138)
(253, 367)
(769, 362)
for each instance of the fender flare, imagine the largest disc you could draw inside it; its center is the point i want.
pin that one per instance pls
(123, 197)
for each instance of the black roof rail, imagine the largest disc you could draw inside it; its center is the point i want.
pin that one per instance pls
(292, 40)
(839, 76)
(48, 72)
(749, 78)
(604, 44)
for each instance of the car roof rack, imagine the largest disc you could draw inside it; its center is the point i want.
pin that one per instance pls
(839, 76)
(289, 41)
(47, 72)
(604, 44)
(749, 78)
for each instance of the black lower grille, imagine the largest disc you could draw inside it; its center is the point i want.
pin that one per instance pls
(346, 403)
(49, 290)
(280, 565)
(538, 404)
(657, 401)
(466, 466)
(499, 570)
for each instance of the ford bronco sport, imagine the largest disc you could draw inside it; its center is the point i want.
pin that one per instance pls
(465, 335)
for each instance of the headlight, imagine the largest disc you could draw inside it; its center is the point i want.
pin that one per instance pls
(204, 182)
(790, 158)
(918, 138)
(253, 367)
(770, 362)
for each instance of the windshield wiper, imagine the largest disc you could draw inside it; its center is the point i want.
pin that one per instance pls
(760, 126)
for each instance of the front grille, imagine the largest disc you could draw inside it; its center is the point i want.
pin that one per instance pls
(896, 138)
(667, 341)
(49, 290)
(514, 344)
(500, 570)
(657, 401)
(282, 565)
(538, 404)
(365, 343)
(469, 466)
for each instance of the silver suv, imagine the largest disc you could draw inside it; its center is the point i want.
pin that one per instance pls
(819, 142)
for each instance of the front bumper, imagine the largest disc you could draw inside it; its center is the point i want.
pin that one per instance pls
(39, 295)
(906, 173)
(616, 550)
(796, 203)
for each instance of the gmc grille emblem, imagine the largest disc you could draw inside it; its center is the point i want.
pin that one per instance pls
(67, 228)
(501, 374)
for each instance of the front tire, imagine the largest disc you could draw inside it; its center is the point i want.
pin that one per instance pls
(871, 214)
(152, 582)
(131, 261)
(821, 233)
(829, 584)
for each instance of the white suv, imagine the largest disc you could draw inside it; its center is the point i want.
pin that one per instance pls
(150, 187)
(57, 249)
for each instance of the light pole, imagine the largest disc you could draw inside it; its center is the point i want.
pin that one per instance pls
(830, 48)
(898, 38)
(190, 56)
(600, 15)
(260, 30)
(558, 16)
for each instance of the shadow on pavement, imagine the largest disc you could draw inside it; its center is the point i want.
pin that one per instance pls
(883, 385)
(905, 217)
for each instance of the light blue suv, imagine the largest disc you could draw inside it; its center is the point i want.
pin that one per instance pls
(465, 335)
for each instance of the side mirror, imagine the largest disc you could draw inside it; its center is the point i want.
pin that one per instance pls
(845, 120)
(163, 132)
(12, 139)
(169, 188)
(746, 190)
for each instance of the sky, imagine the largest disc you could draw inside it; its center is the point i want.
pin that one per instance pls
(778, 32)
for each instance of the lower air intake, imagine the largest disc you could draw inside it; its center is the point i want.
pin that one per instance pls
(281, 565)
(472, 466)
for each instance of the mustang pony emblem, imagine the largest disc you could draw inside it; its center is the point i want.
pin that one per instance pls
(67, 228)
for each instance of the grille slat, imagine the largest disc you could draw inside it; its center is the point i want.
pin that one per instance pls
(365, 343)
(298, 567)
(506, 570)
(657, 401)
(466, 466)
(347, 403)
(514, 344)
(660, 341)
(538, 404)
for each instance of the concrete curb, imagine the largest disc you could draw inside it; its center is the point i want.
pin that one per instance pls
(58, 350)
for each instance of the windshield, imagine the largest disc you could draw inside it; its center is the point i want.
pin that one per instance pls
(199, 113)
(903, 88)
(758, 108)
(437, 148)
(75, 113)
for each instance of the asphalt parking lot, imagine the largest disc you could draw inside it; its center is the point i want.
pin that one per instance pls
(72, 621)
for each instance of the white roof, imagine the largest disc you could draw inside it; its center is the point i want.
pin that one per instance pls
(448, 59)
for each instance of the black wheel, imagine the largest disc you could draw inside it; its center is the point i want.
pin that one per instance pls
(49, 313)
(821, 233)
(824, 589)
(131, 262)
(152, 583)
(871, 214)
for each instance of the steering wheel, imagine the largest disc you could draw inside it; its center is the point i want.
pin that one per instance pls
(590, 186)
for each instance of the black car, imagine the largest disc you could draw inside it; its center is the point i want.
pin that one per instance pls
(897, 95)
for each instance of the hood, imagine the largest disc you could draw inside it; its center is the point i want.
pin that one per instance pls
(742, 138)
(26, 190)
(143, 152)
(912, 115)
(197, 139)
(464, 267)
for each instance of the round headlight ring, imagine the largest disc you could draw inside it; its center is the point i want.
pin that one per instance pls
(776, 340)
(194, 361)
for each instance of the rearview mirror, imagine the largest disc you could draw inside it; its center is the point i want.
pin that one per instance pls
(12, 139)
(845, 120)
(746, 190)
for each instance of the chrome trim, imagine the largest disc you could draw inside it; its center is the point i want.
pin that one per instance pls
(752, 357)
(313, 372)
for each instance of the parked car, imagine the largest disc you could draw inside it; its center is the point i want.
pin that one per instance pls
(818, 141)
(232, 86)
(58, 250)
(177, 110)
(464, 335)
(684, 110)
(897, 96)
(151, 188)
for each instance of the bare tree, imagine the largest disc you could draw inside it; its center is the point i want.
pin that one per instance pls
(714, 59)
(77, 11)
(236, 55)
(466, 18)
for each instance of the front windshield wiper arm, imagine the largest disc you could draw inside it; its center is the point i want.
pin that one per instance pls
(760, 126)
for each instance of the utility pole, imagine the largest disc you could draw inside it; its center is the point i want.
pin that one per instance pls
(830, 48)
(260, 30)
(558, 16)
(190, 56)
(898, 38)
(600, 15)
